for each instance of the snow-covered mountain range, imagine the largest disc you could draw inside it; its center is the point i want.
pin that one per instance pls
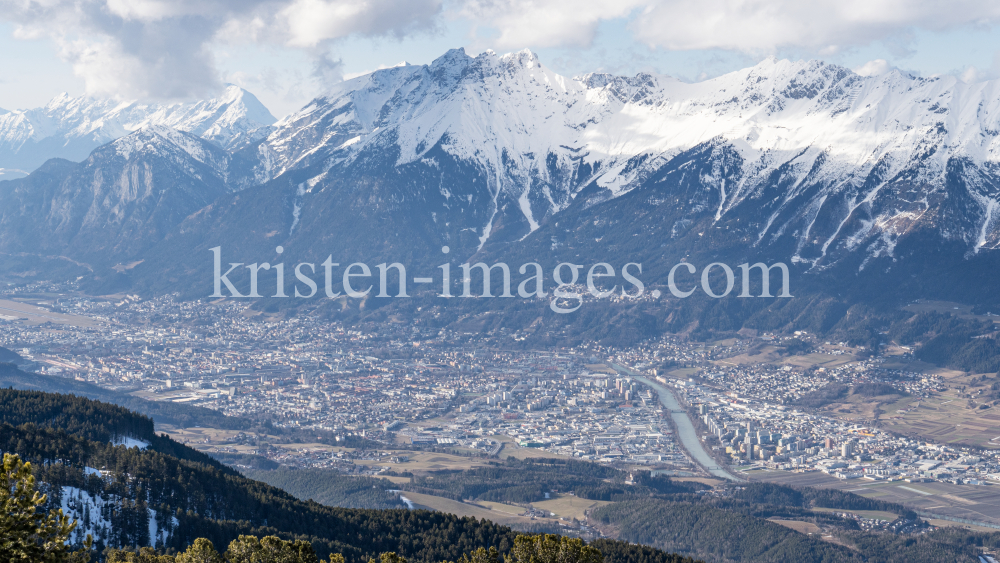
(842, 146)
(806, 162)
(71, 128)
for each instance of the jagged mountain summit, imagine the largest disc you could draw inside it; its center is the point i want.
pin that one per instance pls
(70, 128)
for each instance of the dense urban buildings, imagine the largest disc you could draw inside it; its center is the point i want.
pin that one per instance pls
(385, 385)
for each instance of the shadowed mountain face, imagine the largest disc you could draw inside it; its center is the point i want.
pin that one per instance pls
(124, 198)
(850, 180)
(9, 356)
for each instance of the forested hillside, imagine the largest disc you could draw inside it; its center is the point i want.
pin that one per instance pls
(716, 534)
(331, 488)
(209, 502)
(163, 412)
(134, 497)
(91, 420)
(85, 418)
(168, 495)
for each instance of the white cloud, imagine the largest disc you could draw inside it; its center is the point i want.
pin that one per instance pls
(972, 74)
(167, 48)
(877, 67)
(547, 23)
(163, 48)
(311, 22)
(823, 26)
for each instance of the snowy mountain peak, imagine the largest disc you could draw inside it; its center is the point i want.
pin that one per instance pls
(525, 58)
(448, 68)
(803, 161)
(161, 141)
(233, 113)
(451, 57)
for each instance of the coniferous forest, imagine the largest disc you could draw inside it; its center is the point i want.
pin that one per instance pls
(182, 495)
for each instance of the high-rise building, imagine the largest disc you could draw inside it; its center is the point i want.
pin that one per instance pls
(847, 449)
(828, 443)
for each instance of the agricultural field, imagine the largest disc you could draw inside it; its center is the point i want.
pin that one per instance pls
(873, 514)
(798, 525)
(423, 462)
(210, 440)
(773, 355)
(34, 311)
(682, 373)
(517, 452)
(441, 504)
(568, 506)
(206, 439)
(976, 503)
(952, 416)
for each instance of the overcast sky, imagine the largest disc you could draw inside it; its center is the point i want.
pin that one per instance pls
(288, 51)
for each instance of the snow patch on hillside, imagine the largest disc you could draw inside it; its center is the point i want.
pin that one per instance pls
(131, 443)
(89, 513)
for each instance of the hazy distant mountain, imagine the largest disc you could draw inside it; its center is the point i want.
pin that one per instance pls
(9, 356)
(70, 128)
(126, 196)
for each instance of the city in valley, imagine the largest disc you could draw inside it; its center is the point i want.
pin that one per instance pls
(782, 408)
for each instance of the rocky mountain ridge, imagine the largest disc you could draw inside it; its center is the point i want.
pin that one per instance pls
(802, 162)
(71, 127)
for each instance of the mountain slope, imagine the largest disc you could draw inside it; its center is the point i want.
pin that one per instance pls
(162, 412)
(9, 356)
(124, 197)
(93, 421)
